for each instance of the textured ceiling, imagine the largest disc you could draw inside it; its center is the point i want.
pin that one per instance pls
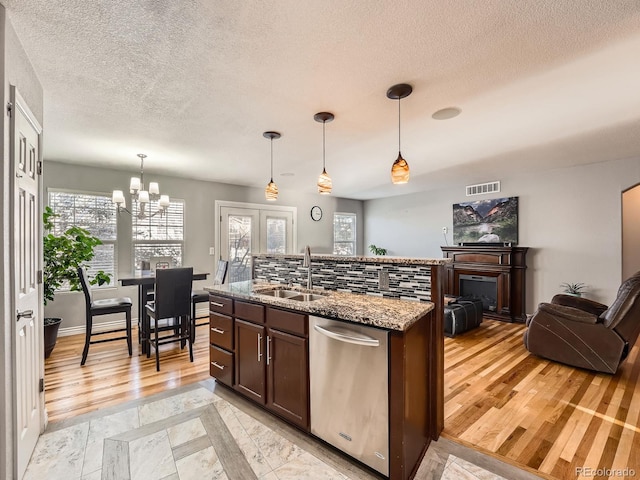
(194, 83)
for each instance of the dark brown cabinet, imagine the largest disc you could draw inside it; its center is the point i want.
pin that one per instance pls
(287, 377)
(250, 360)
(263, 354)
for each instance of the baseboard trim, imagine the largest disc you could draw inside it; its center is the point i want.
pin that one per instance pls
(104, 326)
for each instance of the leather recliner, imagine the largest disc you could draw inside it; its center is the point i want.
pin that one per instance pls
(587, 334)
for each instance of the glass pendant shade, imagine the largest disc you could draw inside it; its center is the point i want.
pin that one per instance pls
(154, 188)
(271, 192)
(324, 183)
(400, 168)
(400, 171)
(143, 196)
(324, 180)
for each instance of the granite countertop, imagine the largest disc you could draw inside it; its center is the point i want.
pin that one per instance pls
(381, 312)
(372, 259)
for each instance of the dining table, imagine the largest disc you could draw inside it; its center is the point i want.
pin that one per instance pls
(145, 281)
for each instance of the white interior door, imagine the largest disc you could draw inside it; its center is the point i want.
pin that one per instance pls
(29, 357)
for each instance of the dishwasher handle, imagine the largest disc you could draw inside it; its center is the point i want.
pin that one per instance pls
(356, 338)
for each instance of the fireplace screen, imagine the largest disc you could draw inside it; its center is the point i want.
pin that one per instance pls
(481, 287)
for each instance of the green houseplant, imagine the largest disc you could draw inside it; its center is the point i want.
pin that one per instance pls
(377, 250)
(62, 255)
(576, 289)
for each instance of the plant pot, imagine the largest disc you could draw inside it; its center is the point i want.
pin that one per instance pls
(51, 326)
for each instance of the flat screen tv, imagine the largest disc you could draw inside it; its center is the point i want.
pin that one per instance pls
(486, 221)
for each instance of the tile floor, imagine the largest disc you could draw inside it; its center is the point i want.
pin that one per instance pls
(194, 433)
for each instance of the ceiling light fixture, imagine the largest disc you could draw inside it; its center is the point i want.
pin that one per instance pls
(271, 191)
(400, 168)
(324, 180)
(141, 196)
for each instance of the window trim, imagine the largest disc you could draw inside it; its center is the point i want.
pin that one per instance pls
(135, 242)
(113, 283)
(355, 233)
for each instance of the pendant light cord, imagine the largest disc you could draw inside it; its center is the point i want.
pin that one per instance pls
(323, 146)
(272, 159)
(399, 149)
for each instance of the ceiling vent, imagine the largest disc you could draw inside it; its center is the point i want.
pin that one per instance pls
(482, 188)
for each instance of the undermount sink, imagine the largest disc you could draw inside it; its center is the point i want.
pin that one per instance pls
(307, 297)
(293, 295)
(281, 293)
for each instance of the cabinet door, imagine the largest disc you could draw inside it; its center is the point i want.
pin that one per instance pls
(287, 377)
(250, 360)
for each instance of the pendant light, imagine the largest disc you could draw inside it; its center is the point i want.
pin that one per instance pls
(271, 191)
(324, 180)
(400, 168)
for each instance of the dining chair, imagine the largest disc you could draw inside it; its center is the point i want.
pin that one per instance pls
(94, 308)
(170, 311)
(200, 296)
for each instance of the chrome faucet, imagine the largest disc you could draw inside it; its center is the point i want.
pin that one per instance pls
(306, 263)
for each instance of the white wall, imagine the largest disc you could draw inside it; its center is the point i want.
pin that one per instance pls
(570, 218)
(199, 197)
(15, 69)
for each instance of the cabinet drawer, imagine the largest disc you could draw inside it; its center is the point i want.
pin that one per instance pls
(221, 365)
(221, 330)
(250, 311)
(286, 321)
(220, 304)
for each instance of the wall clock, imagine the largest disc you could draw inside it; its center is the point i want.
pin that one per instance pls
(316, 213)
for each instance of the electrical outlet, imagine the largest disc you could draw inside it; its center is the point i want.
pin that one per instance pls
(212, 251)
(445, 230)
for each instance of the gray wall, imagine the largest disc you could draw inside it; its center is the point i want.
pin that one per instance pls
(15, 69)
(200, 228)
(570, 218)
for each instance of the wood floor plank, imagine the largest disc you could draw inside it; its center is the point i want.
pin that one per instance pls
(522, 409)
(532, 411)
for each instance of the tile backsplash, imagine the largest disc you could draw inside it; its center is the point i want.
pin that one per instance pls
(363, 275)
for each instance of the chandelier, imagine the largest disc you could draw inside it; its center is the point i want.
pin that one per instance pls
(141, 196)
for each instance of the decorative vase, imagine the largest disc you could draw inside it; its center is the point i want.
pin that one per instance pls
(51, 326)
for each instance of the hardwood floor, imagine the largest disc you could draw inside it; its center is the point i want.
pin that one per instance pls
(110, 376)
(540, 414)
(545, 417)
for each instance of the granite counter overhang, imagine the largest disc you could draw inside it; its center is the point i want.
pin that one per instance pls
(380, 312)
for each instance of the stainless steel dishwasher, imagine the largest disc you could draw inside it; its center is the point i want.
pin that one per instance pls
(349, 382)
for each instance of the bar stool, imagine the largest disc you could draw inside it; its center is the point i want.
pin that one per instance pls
(94, 308)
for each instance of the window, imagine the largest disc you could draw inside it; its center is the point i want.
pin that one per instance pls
(95, 213)
(160, 235)
(344, 233)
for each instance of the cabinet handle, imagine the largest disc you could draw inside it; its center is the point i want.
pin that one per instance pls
(221, 305)
(217, 330)
(268, 349)
(215, 364)
(259, 347)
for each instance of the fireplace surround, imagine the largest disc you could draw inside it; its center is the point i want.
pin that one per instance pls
(484, 270)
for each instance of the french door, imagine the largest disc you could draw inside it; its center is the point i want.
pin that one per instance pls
(247, 229)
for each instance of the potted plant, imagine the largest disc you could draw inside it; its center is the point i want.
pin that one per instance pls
(62, 255)
(377, 250)
(575, 289)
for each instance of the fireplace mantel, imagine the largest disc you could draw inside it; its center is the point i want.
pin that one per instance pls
(507, 264)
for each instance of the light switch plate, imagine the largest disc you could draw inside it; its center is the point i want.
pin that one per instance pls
(212, 251)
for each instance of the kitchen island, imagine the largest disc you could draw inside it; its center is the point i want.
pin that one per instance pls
(273, 345)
